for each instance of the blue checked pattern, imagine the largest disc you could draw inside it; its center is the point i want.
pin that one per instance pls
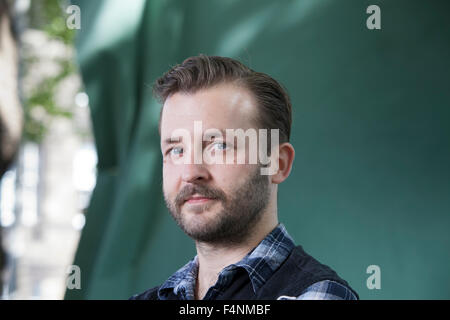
(324, 290)
(260, 265)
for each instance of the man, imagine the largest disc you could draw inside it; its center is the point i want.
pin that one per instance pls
(229, 207)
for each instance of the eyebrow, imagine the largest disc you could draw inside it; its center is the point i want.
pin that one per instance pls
(208, 136)
(172, 140)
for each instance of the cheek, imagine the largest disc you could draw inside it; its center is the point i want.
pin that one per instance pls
(169, 179)
(227, 176)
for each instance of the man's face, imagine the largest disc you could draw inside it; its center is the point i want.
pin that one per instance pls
(211, 202)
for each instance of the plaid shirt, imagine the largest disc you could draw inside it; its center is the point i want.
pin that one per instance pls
(260, 264)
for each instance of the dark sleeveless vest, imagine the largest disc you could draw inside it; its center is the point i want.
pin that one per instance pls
(295, 274)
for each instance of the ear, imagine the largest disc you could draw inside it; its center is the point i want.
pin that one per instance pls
(285, 160)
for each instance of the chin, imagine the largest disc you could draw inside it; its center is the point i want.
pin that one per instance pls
(200, 209)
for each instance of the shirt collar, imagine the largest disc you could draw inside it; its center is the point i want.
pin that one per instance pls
(260, 264)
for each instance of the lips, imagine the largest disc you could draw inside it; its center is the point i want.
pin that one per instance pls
(196, 199)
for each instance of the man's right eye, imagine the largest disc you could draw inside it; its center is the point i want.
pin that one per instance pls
(176, 151)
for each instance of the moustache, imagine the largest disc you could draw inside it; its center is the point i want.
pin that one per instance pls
(200, 190)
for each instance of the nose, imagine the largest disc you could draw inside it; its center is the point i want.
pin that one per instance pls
(194, 173)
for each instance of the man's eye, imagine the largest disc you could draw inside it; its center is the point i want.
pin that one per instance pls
(176, 151)
(220, 145)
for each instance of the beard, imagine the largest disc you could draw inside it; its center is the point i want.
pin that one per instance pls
(240, 213)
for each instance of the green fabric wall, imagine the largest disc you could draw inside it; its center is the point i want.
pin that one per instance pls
(371, 129)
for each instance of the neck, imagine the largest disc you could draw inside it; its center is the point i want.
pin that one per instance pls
(212, 258)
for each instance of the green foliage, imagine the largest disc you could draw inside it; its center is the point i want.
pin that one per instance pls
(50, 17)
(56, 28)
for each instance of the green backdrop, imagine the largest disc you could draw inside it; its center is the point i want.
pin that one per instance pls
(371, 129)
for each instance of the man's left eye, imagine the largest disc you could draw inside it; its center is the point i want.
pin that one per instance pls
(220, 145)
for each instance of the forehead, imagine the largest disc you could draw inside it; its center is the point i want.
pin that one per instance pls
(225, 106)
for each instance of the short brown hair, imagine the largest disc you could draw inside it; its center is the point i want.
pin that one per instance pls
(202, 72)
